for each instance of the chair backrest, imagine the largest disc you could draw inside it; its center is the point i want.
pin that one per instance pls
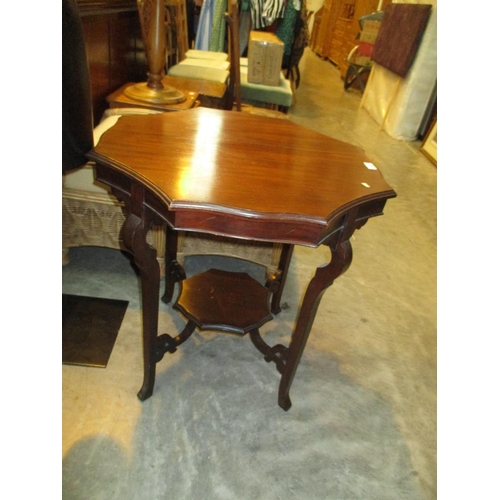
(233, 22)
(77, 129)
(235, 86)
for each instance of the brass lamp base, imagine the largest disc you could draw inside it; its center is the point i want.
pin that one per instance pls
(167, 95)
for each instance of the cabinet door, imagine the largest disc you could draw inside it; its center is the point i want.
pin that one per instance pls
(333, 13)
(336, 51)
(341, 31)
(113, 43)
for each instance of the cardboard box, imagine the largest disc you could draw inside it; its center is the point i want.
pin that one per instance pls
(265, 57)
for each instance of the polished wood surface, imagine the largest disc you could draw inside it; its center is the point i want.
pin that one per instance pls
(209, 95)
(119, 99)
(243, 176)
(232, 302)
(273, 179)
(105, 6)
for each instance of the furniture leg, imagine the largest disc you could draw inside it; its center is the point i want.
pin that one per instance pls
(173, 270)
(324, 277)
(284, 264)
(134, 238)
(146, 181)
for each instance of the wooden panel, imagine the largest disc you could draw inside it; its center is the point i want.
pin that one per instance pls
(324, 32)
(181, 27)
(336, 47)
(346, 28)
(333, 15)
(114, 47)
(318, 18)
(127, 58)
(101, 7)
(96, 41)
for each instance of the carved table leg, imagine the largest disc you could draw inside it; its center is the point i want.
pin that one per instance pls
(173, 270)
(324, 277)
(134, 233)
(284, 264)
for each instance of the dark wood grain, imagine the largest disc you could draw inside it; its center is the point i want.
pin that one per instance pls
(114, 47)
(244, 175)
(225, 301)
(119, 99)
(93, 7)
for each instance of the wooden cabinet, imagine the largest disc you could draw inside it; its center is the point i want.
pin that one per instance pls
(322, 30)
(314, 42)
(113, 43)
(334, 35)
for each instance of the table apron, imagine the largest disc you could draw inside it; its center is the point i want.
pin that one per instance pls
(297, 230)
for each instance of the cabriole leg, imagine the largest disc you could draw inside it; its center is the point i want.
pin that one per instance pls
(134, 238)
(324, 277)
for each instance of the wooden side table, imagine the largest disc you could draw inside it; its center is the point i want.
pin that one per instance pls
(242, 176)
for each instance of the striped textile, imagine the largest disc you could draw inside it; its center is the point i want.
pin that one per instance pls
(265, 12)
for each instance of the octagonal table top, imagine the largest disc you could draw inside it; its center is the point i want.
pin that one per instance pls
(265, 178)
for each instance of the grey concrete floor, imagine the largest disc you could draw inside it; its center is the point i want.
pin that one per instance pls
(363, 420)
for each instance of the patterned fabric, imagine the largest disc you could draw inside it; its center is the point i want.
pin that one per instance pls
(301, 37)
(218, 32)
(265, 12)
(286, 28)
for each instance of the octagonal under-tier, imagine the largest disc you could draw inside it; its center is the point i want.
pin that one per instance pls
(225, 301)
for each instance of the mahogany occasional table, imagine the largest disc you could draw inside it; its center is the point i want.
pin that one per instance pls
(243, 176)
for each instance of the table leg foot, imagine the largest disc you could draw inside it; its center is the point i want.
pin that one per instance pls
(145, 392)
(284, 402)
(149, 360)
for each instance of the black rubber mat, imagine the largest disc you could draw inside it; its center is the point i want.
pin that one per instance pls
(89, 329)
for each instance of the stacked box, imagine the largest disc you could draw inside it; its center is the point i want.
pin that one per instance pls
(265, 57)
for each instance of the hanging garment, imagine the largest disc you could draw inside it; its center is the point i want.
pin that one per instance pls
(301, 38)
(218, 32)
(286, 28)
(202, 41)
(266, 12)
(245, 27)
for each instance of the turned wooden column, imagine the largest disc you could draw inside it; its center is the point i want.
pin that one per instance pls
(154, 35)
